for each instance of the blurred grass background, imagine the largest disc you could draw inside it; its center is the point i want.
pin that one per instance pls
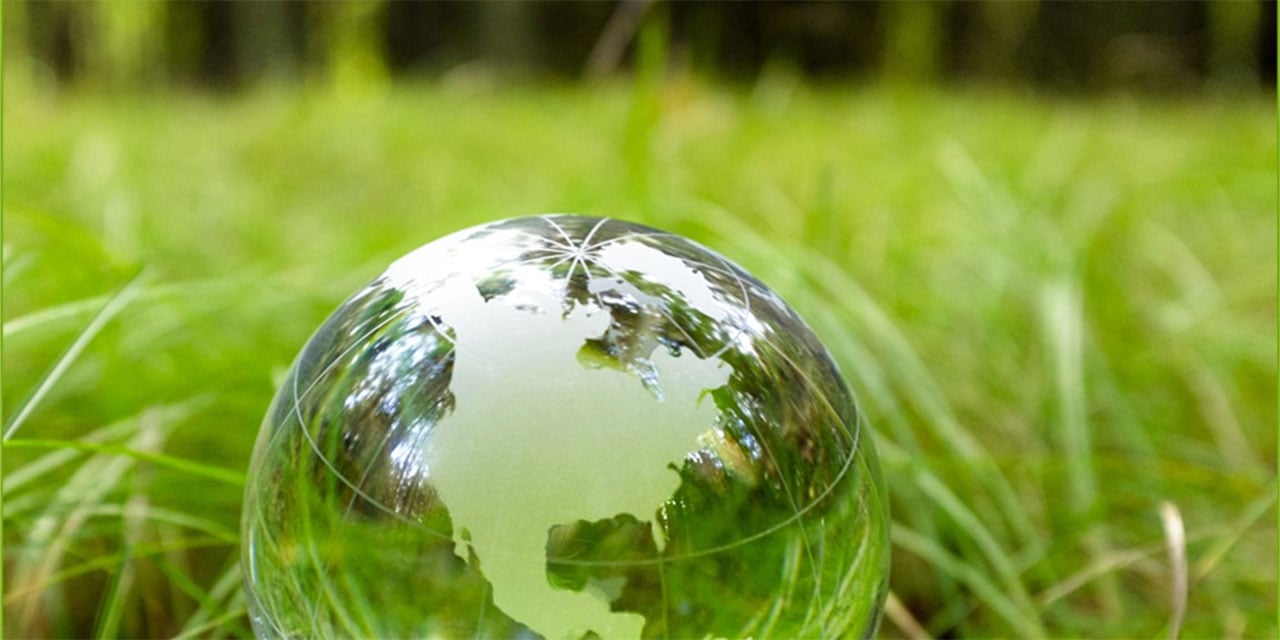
(1054, 292)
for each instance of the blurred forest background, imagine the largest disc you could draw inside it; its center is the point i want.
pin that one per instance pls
(1060, 46)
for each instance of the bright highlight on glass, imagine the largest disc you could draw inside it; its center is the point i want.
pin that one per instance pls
(564, 427)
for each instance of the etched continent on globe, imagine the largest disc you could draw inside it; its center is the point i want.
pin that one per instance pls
(564, 427)
(604, 446)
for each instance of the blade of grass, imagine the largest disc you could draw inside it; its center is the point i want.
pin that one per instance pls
(54, 314)
(105, 562)
(112, 609)
(55, 373)
(971, 576)
(54, 527)
(1063, 316)
(16, 480)
(198, 630)
(51, 532)
(1116, 560)
(1099, 567)
(969, 524)
(169, 516)
(211, 472)
(999, 559)
(901, 617)
(14, 268)
(226, 584)
(68, 311)
(152, 432)
(1254, 511)
(1064, 336)
(1176, 539)
(645, 111)
(1215, 407)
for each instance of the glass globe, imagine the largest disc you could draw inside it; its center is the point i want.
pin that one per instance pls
(564, 427)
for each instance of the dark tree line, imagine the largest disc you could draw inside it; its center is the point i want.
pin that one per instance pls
(1056, 45)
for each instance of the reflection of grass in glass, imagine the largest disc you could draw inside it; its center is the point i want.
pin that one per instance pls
(349, 591)
(946, 247)
(345, 562)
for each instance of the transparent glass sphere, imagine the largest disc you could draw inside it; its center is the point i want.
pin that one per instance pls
(564, 427)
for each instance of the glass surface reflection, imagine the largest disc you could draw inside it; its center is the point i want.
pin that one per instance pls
(564, 427)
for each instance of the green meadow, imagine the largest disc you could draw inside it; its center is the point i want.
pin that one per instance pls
(1059, 315)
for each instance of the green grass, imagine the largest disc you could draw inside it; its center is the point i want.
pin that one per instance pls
(1058, 314)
